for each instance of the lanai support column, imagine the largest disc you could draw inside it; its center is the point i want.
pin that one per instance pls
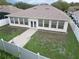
(49, 23)
(43, 23)
(57, 25)
(65, 26)
(9, 20)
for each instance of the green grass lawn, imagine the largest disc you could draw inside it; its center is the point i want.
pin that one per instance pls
(8, 32)
(55, 45)
(4, 55)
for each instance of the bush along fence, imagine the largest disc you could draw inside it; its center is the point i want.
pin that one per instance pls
(19, 52)
(74, 28)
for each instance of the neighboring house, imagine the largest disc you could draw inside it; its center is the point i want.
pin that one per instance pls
(4, 10)
(75, 16)
(44, 17)
(72, 9)
(9, 9)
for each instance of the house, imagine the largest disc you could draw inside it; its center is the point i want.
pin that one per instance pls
(4, 10)
(9, 9)
(73, 9)
(44, 17)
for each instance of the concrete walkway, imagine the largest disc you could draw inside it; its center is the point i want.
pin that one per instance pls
(22, 39)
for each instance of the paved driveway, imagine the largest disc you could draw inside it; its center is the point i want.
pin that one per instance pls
(22, 39)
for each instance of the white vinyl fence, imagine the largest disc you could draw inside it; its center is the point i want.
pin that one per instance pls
(4, 22)
(74, 28)
(18, 51)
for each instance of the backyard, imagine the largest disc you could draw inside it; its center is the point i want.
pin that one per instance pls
(54, 45)
(8, 32)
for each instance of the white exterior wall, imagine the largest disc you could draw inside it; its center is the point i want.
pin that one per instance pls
(20, 25)
(65, 27)
(37, 27)
(33, 20)
(4, 22)
(55, 29)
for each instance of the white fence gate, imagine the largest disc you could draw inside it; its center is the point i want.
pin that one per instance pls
(74, 28)
(18, 51)
(4, 22)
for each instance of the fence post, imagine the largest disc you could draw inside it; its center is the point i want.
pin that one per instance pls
(18, 51)
(3, 44)
(38, 54)
(17, 48)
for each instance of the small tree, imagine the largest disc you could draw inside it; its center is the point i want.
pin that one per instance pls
(23, 5)
(74, 4)
(3, 2)
(62, 5)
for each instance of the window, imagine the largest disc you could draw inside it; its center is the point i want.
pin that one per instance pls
(16, 20)
(21, 20)
(53, 24)
(11, 19)
(26, 21)
(40, 23)
(61, 24)
(46, 23)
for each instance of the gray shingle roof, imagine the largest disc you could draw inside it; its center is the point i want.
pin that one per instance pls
(9, 9)
(76, 13)
(42, 12)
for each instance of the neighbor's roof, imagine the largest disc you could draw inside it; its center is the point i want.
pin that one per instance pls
(9, 9)
(42, 12)
(76, 13)
(73, 8)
